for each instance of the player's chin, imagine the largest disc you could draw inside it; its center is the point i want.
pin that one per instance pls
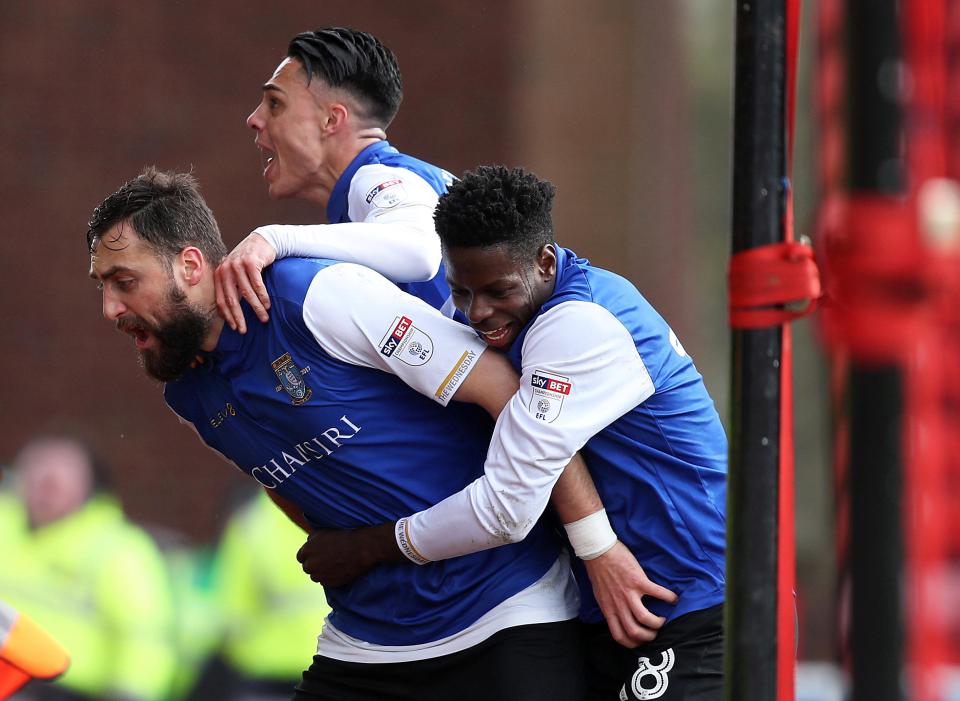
(277, 192)
(278, 188)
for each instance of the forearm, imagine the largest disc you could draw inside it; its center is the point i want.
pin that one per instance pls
(522, 466)
(373, 545)
(402, 250)
(490, 384)
(502, 506)
(581, 511)
(335, 557)
(539, 432)
(575, 495)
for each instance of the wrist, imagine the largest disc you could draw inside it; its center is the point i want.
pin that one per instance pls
(378, 546)
(591, 536)
(272, 235)
(402, 540)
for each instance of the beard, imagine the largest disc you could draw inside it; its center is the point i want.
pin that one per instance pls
(179, 337)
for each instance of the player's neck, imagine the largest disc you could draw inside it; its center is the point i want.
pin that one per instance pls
(212, 338)
(354, 146)
(370, 135)
(339, 160)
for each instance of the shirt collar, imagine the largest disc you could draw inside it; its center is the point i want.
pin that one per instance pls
(231, 341)
(338, 204)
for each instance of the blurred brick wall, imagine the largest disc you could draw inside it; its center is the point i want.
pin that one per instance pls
(95, 90)
(590, 95)
(603, 112)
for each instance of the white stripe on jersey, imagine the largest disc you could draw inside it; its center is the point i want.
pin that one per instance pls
(551, 599)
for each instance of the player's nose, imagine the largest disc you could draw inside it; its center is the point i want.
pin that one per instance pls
(255, 120)
(479, 309)
(113, 308)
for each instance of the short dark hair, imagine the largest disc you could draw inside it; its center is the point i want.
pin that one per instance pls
(167, 212)
(355, 61)
(494, 206)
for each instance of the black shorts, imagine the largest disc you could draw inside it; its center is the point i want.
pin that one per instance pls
(539, 662)
(683, 663)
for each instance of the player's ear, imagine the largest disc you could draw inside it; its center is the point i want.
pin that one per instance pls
(335, 118)
(192, 264)
(547, 261)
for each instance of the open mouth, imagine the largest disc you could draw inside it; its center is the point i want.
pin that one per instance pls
(267, 157)
(141, 336)
(497, 336)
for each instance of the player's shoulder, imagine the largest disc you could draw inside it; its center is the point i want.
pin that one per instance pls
(330, 286)
(290, 278)
(583, 282)
(575, 320)
(611, 308)
(385, 185)
(583, 314)
(181, 395)
(375, 173)
(587, 281)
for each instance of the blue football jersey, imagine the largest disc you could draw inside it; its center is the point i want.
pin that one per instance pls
(602, 373)
(661, 466)
(354, 446)
(434, 291)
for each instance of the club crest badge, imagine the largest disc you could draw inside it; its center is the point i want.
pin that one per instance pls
(291, 379)
(549, 391)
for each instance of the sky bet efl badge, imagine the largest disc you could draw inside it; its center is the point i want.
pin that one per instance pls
(387, 194)
(291, 380)
(406, 342)
(549, 391)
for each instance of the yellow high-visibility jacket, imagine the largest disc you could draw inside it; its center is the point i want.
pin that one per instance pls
(98, 584)
(271, 610)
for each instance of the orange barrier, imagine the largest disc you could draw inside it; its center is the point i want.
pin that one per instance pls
(26, 652)
(11, 679)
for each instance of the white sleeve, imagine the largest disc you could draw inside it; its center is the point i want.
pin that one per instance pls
(361, 318)
(581, 372)
(391, 231)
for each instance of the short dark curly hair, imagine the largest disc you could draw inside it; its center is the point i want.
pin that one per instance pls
(493, 206)
(355, 61)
